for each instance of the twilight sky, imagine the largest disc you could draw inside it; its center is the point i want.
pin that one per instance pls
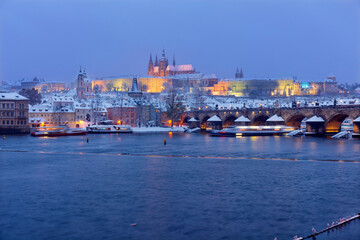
(309, 39)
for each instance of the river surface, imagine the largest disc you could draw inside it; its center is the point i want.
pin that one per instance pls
(194, 187)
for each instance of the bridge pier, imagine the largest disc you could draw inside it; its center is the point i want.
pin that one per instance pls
(315, 128)
(357, 127)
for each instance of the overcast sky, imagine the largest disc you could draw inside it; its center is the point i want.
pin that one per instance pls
(309, 39)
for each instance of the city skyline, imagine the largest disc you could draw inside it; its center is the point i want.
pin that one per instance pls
(307, 39)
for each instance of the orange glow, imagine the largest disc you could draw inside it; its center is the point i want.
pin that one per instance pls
(170, 133)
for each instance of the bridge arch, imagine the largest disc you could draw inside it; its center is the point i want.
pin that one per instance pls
(333, 123)
(295, 120)
(203, 122)
(259, 120)
(185, 120)
(229, 120)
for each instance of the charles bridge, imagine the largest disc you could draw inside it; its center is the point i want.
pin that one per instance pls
(333, 116)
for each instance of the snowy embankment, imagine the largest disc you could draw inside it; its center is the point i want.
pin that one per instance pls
(157, 129)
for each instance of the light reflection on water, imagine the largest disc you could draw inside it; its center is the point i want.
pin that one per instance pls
(195, 187)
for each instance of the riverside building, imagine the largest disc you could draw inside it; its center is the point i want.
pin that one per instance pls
(13, 113)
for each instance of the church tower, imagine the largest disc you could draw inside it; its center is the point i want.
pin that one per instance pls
(80, 86)
(163, 63)
(239, 74)
(151, 66)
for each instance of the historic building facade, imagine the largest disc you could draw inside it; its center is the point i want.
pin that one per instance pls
(161, 67)
(14, 110)
(83, 85)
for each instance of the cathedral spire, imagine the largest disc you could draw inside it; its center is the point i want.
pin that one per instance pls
(150, 60)
(174, 61)
(80, 69)
(241, 73)
(156, 61)
(151, 66)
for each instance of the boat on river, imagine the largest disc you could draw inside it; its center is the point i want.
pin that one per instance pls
(57, 131)
(109, 129)
(238, 131)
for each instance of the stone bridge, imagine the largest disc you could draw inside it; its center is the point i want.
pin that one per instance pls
(333, 116)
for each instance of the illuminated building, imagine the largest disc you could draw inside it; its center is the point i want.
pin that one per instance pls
(41, 85)
(274, 87)
(162, 68)
(123, 115)
(254, 87)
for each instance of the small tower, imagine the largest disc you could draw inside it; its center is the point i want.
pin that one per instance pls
(174, 61)
(80, 86)
(135, 92)
(151, 66)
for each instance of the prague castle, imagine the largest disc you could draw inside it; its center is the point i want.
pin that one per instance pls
(161, 68)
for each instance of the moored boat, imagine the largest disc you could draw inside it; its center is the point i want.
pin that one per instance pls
(238, 131)
(109, 129)
(57, 131)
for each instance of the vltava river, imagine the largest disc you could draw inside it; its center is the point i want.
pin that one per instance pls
(194, 187)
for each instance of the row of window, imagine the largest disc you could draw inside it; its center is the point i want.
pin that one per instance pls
(7, 114)
(11, 106)
(11, 122)
(7, 105)
(11, 114)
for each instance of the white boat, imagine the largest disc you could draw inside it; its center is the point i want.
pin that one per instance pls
(109, 129)
(57, 131)
(237, 131)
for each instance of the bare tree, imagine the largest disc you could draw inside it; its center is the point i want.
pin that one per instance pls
(174, 106)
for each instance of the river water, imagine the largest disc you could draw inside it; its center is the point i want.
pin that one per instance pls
(194, 187)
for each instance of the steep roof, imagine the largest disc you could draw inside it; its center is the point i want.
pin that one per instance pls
(180, 68)
(357, 119)
(275, 118)
(242, 119)
(315, 119)
(193, 120)
(12, 96)
(214, 119)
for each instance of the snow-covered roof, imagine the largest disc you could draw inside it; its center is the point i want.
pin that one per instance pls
(357, 119)
(193, 120)
(62, 99)
(214, 119)
(275, 118)
(315, 119)
(83, 105)
(36, 120)
(12, 96)
(242, 119)
(180, 68)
